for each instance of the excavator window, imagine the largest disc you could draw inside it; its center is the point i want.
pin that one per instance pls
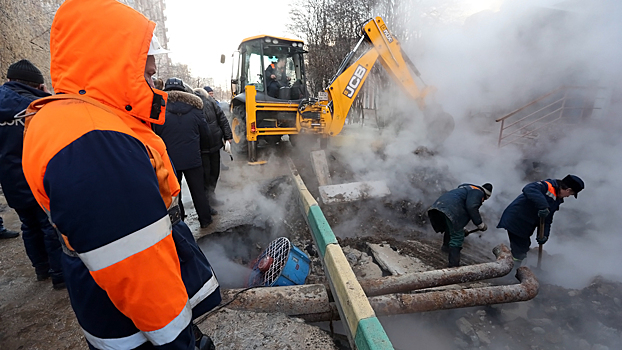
(254, 72)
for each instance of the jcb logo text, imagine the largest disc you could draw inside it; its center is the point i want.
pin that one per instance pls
(355, 81)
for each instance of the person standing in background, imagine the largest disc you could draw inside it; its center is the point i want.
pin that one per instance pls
(219, 135)
(40, 239)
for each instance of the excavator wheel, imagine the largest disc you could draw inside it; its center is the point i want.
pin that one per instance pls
(238, 128)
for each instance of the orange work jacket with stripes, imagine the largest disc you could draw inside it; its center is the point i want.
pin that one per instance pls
(104, 178)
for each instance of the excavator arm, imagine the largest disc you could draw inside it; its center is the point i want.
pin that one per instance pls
(381, 46)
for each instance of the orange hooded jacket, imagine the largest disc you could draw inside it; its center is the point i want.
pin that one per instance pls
(89, 158)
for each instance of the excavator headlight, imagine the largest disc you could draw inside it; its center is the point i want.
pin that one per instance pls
(267, 40)
(274, 41)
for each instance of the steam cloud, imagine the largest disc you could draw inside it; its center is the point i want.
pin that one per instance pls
(490, 64)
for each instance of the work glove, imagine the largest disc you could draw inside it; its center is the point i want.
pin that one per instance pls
(482, 227)
(228, 146)
(228, 149)
(543, 213)
(543, 240)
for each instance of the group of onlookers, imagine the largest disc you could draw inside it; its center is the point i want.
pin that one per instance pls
(194, 131)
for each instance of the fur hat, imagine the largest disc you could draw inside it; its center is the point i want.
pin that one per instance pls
(26, 71)
(574, 182)
(208, 89)
(487, 189)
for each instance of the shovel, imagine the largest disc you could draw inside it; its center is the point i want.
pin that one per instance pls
(540, 236)
(468, 232)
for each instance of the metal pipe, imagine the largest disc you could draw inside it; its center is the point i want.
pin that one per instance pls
(307, 299)
(311, 303)
(453, 299)
(420, 280)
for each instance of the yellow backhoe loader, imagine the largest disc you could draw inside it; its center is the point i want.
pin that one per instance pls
(270, 98)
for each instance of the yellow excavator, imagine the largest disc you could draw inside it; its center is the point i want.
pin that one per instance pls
(270, 97)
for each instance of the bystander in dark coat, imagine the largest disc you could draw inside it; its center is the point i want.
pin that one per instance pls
(40, 239)
(183, 132)
(219, 133)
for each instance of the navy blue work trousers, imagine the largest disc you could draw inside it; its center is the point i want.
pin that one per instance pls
(41, 242)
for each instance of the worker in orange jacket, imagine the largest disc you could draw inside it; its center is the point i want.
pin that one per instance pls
(135, 275)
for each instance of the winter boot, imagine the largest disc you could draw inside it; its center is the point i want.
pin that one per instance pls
(6, 233)
(517, 264)
(43, 272)
(454, 257)
(202, 341)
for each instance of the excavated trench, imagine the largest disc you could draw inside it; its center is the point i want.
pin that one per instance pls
(557, 318)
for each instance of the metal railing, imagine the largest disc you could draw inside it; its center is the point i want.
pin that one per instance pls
(524, 123)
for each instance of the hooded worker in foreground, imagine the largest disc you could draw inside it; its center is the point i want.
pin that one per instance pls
(539, 201)
(135, 275)
(452, 212)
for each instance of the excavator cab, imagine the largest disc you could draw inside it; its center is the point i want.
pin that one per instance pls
(270, 98)
(263, 55)
(268, 83)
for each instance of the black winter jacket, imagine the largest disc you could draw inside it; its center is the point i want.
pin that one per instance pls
(184, 129)
(14, 98)
(460, 205)
(216, 121)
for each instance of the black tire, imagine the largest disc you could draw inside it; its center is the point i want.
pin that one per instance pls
(238, 128)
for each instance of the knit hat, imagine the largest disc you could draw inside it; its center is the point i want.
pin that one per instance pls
(574, 182)
(487, 189)
(26, 71)
(174, 84)
(208, 89)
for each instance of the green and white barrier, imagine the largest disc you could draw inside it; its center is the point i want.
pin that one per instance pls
(364, 330)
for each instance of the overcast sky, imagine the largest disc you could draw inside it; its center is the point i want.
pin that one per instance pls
(199, 31)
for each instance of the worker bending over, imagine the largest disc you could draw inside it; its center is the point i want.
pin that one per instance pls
(452, 211)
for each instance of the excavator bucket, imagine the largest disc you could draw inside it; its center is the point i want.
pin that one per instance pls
(439, 124)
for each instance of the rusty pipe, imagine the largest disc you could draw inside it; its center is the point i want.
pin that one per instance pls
(311, 303)
(308, 299)
(420, 280)
(453, 299)
(395, 304)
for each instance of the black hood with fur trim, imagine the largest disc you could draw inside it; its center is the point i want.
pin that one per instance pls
(180, 102)
(184, 129)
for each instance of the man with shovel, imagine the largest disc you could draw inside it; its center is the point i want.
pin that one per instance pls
(535, 207)
(452, 212)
